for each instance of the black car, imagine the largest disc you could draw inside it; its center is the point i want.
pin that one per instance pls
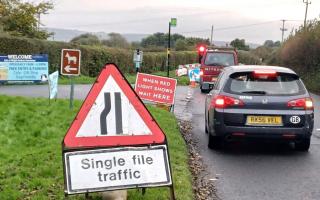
(263, 102)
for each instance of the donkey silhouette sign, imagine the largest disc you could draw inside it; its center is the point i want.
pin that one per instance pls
(70, 62)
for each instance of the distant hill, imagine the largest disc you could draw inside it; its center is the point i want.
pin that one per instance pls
(224, 43)
(66, 35)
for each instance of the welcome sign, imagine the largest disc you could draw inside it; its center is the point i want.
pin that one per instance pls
(24, 67)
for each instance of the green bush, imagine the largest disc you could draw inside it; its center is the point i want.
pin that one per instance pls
(301, 53)
(93, 57)
(248, 58)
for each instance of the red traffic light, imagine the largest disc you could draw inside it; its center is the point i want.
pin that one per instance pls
(202, 49)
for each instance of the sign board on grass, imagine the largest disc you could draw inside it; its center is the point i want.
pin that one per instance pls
(53, 84)
(117, 168)
(70, 62)
(23, 67)
(114, 142)
(156, 88)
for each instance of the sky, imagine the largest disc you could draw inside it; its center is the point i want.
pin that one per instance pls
(252, 20)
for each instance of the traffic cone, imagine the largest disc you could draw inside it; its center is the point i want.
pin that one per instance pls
(193, 81)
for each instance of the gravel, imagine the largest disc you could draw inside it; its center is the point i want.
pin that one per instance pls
(203, 186)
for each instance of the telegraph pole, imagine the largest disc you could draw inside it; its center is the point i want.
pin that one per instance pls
(211, 41)
(283, 29)
(306, 13)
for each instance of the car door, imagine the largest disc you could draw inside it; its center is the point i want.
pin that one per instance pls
(217, 87)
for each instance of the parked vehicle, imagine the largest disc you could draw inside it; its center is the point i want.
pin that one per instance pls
(213, 60)
(259, 102)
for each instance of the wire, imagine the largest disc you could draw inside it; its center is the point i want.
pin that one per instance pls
(230, 27)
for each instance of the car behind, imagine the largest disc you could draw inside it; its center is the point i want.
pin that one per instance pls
(262, 102)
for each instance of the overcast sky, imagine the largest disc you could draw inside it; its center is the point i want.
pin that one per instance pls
(195, 17)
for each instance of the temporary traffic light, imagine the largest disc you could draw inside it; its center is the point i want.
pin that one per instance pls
(201, 51)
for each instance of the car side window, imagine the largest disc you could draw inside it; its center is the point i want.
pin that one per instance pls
(218, 82)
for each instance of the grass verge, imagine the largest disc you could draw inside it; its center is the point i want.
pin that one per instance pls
(31, 132)
(182, 80)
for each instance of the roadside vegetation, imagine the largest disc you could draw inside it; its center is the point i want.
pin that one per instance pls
(181, 80)
(31, 158)
(300, 52)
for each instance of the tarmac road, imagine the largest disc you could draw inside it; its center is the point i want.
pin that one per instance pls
(259, 171)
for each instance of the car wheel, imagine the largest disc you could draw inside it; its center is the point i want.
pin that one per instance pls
(303, 145)
(215, 142)
(205, 90)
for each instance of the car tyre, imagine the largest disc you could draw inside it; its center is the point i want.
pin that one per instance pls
(204, 90)
(303, 145)
(215, 142)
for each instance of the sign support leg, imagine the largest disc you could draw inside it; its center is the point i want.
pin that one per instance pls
(49, 93)
(71, 92)
(172, 195)
(86, 196)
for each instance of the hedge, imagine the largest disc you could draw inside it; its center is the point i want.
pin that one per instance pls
(93, 57)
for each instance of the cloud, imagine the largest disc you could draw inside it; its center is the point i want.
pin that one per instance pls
(149, 16)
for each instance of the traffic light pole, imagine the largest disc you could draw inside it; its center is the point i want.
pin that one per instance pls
(168, 50)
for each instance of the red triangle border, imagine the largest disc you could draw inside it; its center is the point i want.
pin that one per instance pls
(70, 139)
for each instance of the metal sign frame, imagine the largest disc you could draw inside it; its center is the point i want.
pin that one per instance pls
(68, 184)
(161, 142)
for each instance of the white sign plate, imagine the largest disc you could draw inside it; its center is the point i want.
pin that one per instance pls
(116, 168)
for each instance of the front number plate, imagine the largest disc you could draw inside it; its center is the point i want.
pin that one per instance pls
(264, 120)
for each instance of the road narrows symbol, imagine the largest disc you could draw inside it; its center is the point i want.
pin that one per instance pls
(117, 97)
(106, 111)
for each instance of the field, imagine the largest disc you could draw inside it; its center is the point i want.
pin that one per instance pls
(31, 132)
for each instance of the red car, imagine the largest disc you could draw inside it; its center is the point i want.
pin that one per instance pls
(212, 62)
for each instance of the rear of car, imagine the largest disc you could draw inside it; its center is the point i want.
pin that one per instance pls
(212, 64)
(261, 102)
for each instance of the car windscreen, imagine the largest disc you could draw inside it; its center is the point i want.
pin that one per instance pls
(219, 59)
(278, 84)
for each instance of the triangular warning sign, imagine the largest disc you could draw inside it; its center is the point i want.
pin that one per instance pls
(112, 115)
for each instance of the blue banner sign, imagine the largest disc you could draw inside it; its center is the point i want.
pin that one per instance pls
(24, 67)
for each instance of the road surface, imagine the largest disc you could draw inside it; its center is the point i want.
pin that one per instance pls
(251, 171)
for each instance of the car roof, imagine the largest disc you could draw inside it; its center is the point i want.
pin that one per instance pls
(245, 68)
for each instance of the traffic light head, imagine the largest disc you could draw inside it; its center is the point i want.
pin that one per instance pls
(201, 50)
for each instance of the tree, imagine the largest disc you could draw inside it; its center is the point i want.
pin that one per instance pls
(194, 41)
(181, 45)
(160, 39)
(270, 43)
(22, 18)
(116, 40)
(86, 39)
(240, 44)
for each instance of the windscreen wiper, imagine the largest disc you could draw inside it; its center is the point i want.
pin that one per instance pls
(255, 92)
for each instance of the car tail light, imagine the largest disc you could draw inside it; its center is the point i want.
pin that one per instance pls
(304, 103)
(221, 101)
(264, 73)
